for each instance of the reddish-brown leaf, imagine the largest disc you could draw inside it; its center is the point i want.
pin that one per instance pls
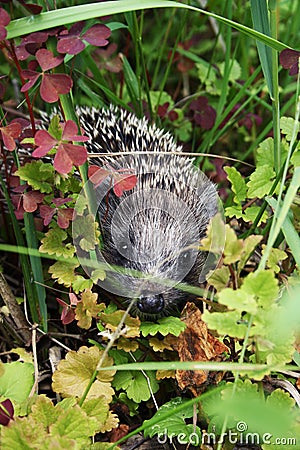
(98, 174)
(45, 142)
(123, 183)
(70, 131)
(47, 60)
(97, 35)
(68, 155)
(289, 59)
(46, 212)
(64, 216)
(53, 85)
(6, 412)
(31, 200)
(9, 133)
(4, 21)
(30, 75)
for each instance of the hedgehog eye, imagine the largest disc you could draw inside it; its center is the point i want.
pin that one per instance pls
(123, 245)
(185, 257)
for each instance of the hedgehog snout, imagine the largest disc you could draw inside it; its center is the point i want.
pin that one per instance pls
(151, 305)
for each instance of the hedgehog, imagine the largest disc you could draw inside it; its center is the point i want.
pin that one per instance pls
(153, 229)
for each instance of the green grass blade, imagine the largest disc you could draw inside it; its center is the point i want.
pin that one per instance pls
(24, 260)
(72, 14)
(291, 235)
(37, 269)
(282, 215)
(260, 20)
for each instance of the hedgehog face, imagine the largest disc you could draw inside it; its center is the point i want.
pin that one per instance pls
(150, 234)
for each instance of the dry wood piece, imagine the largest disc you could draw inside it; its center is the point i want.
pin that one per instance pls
(16, 312)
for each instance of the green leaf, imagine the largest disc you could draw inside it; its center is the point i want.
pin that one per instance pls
(235, 70)
(135, 384)
(44, 412)
(86, 229)
(226, 323)
(275, 257)
(81, 284)
(10, 376)
(175, 424)
(238, 184)
(215, 236)
(55, 128)
(265, 152)
(288, 126)
(63, 271)
(249, 244)
(208, 76)
(165, 325)
(53, 244)
(138, 390)
(261, 181)
(73, 424)
(98, 412)
(219, 278)
(251, 213)
(233, 246)
(38, 174)
(239, 300)
(263, 285)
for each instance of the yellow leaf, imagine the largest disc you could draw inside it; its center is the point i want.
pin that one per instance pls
(127, 345)
(87, 308)
(112, 320)
(74, 373)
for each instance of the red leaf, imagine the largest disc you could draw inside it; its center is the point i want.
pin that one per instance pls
(98, 174)
(61, 201)
(4, 18)
(67, 155)
(45, 142)
(97, 35)
(70, 131)
(4, 21)
(6, 412)
(46, 212)
(289, 59)
(124, 183)
(67, 315)
(70, 44)
(32, 76)
(70, 41)
(31, 200)
(32, 8)
(54, 85)
(9, 134)
(64, 216)
(37, 37)
(73, 299)
(47, 60)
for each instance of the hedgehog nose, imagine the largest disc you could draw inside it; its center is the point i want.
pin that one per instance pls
(151, 305)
